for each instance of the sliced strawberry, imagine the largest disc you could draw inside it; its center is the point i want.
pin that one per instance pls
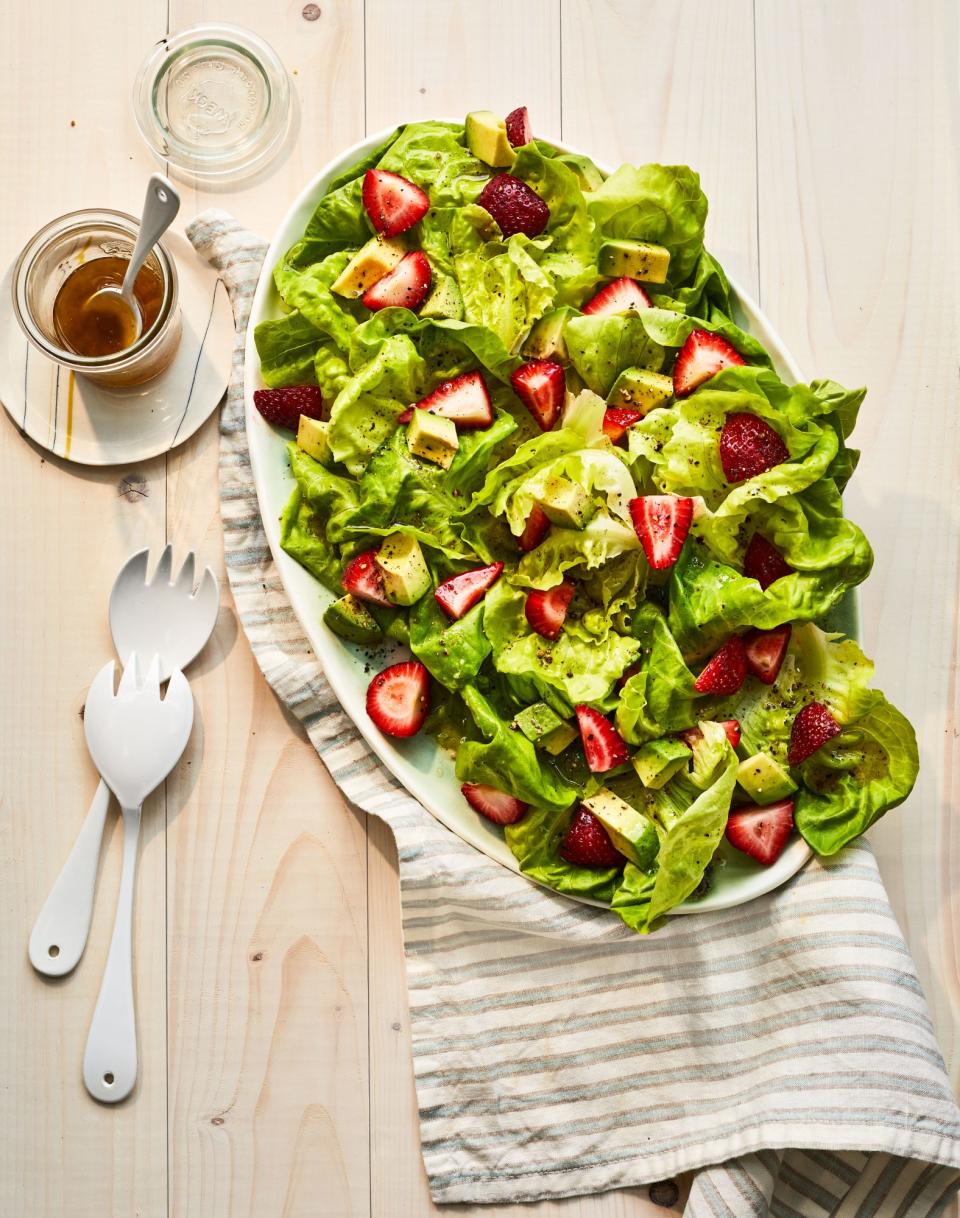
(519, 131)
(701, 357)
(749, 446)
(283, 407)
(764, 562)
(362, 579)
(405, 416)
(534, 531)
(546, 611)
(765, 650)
(761, 832)
(617, 297)
(464, 399)
(587, 844)
(627, 674)
(726, 672)
(603, 745)
(617, 419)
(398, 698)
(662, 523)
(541, 385)
(406, 286)
(812, 728)
(514, 206)
(461, 592)
(392, 203)
(498, 806)
(691, 735)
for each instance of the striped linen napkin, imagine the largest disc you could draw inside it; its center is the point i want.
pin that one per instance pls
(782, 1051)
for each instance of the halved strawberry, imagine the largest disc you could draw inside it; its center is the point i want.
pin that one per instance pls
(393, 203)
(813, 726)
(461, 592)
(498, 806)
(749, 446)
(283, 407)
(691, 735)
(546, 611)
(541, 385)
(603, 745)
(534, 531)
(398, 698)
(765, 650)
(405, 287)
(701, 357)
(362, 579)
(761, 832)
(519, 131)
(464, 399)
(617, 297)
(662, 523)
(726, 672)
(515, 207)
(764, 562)
(617, 419)
(587, 844)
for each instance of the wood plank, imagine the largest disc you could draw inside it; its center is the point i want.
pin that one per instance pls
(267, 866)
(860, 262)
(68, 530)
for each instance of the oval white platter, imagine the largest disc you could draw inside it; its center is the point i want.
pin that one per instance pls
(425, 770)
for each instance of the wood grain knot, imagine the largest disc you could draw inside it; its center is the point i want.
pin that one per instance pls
(257, 957)
(216, 1120)
(133, 487)
(310, 12)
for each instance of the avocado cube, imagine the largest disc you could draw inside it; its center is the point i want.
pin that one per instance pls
(764, 779)
(352, 620)
(640, 389)
(544, 727)
(658, 761)
(433, 438)
(444, 301)
(566, 503)
(546, 339)
(312, 438)
(635, 259)
(631, 831)
(487, 139)
(406, 576)
(376, 259)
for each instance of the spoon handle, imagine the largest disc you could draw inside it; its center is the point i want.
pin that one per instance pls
(60, 932)
(160, 208)
(110, 1058)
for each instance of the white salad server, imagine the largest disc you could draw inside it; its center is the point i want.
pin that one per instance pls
(135, 738)
(162, 617)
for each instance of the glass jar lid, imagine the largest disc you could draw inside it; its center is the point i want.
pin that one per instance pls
(213, 101)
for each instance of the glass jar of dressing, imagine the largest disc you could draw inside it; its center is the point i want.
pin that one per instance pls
(55, 283)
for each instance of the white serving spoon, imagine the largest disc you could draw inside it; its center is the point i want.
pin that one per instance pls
(135, 738)
(160, 207)
(162, 617)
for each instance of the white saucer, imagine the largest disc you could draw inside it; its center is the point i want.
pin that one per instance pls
(82, 422)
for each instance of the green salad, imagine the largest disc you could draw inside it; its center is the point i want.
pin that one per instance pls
(535, 450)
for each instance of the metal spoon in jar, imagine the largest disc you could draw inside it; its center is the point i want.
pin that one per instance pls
(160, 209)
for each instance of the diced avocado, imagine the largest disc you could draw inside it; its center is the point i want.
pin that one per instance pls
(546, 339)
(641, 389)
(542, 725)
(764, 779)
(444, 301)
(433, 438)
(312, 438)
(635, 259)
(658, 761)
(631, 831)
(376, 259)
(352, 620)
(406, 576)
(567, 504)
(487, 139)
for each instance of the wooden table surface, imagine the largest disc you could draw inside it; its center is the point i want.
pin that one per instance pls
(276, 1076)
